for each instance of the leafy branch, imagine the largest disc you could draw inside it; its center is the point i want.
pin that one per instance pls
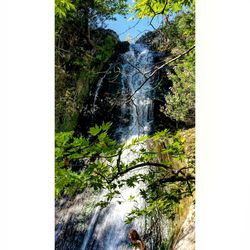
(107, 169)
(157, 69)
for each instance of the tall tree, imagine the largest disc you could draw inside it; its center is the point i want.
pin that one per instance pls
(89, 12)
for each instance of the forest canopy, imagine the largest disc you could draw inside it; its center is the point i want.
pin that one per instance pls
(95, 160)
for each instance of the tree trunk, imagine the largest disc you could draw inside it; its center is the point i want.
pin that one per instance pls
(86, 28)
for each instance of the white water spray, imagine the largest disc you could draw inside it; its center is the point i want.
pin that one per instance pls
(107, 230)
(98, 87)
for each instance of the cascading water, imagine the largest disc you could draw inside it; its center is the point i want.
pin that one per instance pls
(107, 230)
(98, 86)
(138, 93)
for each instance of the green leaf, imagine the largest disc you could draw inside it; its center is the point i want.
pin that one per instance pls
(131, 198)
(94, 130)
(176, 7)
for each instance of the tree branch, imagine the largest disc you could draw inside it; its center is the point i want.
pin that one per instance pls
(151, 22)
(97, 173)
(162, 12)
(130, 27)
(119, 174)
(135, 68)
(173, 178)
(155, 71)
(189, 187)
(119, 160)
(177, 57)
(180, 170)
(176, 178)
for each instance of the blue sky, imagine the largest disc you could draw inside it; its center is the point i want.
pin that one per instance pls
(124, 28)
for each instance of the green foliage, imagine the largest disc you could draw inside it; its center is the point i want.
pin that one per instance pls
(180, 101)
(68, 147)
(106, 51)
(107, 169)
(164, 245)
(152, 8)
(110, 7)
(73, 84)
(102, 8)
(77, 63)
(62, 7)
(180, 33)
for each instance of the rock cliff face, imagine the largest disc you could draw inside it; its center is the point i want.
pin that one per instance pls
(73, 216)
(186, 237)
(78, 70)
(71, 220)
(105, 98)
(152, 39)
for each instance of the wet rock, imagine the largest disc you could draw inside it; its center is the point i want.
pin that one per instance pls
(71, 220)
(123, 47)
(100, 33)
(186, 237)
(152, 39)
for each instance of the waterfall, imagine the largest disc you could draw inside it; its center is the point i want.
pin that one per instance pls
(107, 230)
(98, 86)
(137, 105)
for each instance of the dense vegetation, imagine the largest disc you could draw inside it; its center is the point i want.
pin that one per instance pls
(180, 103)
(81, 53)
(83, 49)
(105, 165)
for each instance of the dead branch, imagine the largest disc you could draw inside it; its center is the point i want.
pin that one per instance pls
(151, 22)
(135, 68)
(155, 71)
(176, 179)
(176, 58)
(130, 27)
